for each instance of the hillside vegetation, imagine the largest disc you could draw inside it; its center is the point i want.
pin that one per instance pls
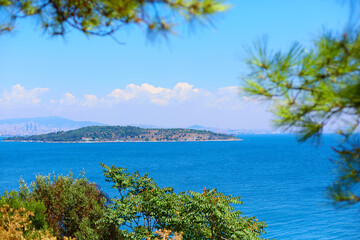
(127, 133)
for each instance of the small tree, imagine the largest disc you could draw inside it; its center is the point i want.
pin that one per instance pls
(211, 215)
(143, 207)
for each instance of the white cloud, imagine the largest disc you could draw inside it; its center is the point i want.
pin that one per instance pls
(180, 105)
(128, 93)
(226, 98)
(68, 99)
(90, 100)
(157, 95)
(144, 94)
(184, 91)
(18, 95)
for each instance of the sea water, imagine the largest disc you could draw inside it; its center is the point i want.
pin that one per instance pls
(281, 181)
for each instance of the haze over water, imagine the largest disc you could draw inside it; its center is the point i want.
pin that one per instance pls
(281, 182)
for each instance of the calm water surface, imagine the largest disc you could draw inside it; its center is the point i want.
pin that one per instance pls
(281, 182)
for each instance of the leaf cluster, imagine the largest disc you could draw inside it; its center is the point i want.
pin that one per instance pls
(74, 206)
(16, 201)
(310, 87)
(143, 207)
(165, 234)
(15, 224)
(313, 88)
(105, 17)
(211, 215)
(66, 207)
(345, 190)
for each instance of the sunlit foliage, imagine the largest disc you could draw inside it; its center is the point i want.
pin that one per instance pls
(15, 224)
(74, 207)
(142, 207)
(166, 235)
(311, 88)
(105, 17)
(65, 207)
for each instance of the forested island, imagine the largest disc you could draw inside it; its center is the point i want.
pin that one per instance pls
(126, 134)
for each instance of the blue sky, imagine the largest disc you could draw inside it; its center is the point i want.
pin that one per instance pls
(191, 79)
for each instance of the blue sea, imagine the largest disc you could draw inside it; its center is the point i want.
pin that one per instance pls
(281, 181)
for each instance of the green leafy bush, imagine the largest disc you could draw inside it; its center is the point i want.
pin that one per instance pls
(65, 206)
(143, 207)
(210, 215)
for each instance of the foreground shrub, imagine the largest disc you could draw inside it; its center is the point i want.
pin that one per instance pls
(74, 207)
(142, 207)
(15, 224)
(211, 215)
(69, 207)
(165, 234)
(20, 200)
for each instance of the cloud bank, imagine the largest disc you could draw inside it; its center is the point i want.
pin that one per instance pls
(180, 105)
(181, 93)
(19, 95)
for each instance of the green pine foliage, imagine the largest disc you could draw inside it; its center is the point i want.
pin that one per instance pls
(105, 17)
(311, 88)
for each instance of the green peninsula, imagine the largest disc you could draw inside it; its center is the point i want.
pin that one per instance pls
(126, 134)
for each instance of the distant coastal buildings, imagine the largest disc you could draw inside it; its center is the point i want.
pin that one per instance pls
(25, 129)
(40, 125)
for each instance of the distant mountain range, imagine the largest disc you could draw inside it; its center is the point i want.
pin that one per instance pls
(40, 125)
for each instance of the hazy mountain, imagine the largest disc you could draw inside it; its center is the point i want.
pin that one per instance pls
(144, 126)
(198, 127)
(40, 125)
